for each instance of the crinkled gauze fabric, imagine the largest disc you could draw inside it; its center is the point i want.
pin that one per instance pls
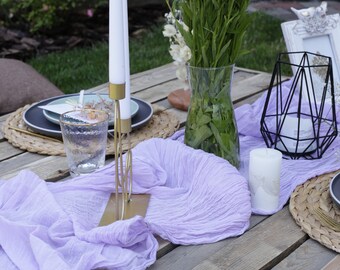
(196, 198)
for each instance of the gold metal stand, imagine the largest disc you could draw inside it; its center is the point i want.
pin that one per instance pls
(123, 204)
(137, 206)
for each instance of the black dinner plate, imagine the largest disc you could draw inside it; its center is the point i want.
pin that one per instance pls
(35, 119)
(334, 189)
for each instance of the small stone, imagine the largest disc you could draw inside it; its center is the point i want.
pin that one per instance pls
(180, 99)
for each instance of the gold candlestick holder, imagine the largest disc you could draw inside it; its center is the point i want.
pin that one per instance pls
(122, 204)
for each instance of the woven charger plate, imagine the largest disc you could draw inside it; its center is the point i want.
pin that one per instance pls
(161, 125)
(305, 203)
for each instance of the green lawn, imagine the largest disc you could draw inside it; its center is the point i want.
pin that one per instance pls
(79, 69)
(263, 42)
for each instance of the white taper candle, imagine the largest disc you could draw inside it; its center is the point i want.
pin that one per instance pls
(125, 103)
(116, 43)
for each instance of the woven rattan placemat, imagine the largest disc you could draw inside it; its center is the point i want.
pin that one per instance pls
(161, 125)
(308, 201)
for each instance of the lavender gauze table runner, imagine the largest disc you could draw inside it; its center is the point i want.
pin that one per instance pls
(196, 198)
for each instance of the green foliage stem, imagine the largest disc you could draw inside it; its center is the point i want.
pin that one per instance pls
(213, 30)
(211, 124)
(216, 30)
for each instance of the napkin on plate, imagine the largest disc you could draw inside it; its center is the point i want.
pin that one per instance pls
(58, 108)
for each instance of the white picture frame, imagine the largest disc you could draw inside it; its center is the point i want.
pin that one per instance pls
(315, 34)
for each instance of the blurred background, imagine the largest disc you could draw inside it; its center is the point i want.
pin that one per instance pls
(67, 41)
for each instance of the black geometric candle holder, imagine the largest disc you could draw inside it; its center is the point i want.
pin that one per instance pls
(299, 118)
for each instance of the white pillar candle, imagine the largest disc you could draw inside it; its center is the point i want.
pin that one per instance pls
(125, 103)
(290, 129)
(116, 43)
(264, 178)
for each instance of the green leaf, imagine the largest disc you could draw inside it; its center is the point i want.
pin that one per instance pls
(200, 134)
(203, 120)
(222, 144)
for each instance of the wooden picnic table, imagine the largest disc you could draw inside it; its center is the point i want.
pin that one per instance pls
(271, 242)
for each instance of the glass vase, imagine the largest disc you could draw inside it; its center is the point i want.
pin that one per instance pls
(211, 124)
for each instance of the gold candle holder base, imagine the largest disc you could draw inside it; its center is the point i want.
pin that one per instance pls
(122, 205)
(137, 205)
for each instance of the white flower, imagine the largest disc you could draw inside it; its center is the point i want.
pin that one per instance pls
(185, 53)
(169, 30)
(175, 52)
(181, 73)
(179, 51)
(170, 18)
(179, 39)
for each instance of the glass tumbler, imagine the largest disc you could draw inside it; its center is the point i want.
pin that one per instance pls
(84, 135)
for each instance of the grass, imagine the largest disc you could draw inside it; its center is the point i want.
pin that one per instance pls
(84, 68)
(262, 42)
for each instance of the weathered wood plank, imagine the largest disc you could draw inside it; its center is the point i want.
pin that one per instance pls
(146, 79)
(7, 150)
(161, 75)
(150, 78)
(239, 91)
(164, 247)
(2, 120)
(158, 92)
(166, 73)
(249, 86)
(15, 163)
(50, 168)
(251, 70)
(334, 264)
(310, 255)
(248, 100)
(103, 88)
(242, 74)
(187, 257)
(164, 104)
(260, 247)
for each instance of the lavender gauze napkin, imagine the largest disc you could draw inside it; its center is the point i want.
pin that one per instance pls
(196, 198)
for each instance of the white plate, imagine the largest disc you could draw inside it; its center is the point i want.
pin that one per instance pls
(53, 109)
